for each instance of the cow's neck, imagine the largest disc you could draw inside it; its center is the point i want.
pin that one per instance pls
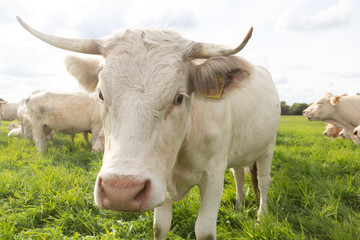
(347, 114)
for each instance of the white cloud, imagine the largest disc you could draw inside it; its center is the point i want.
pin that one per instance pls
(331, 17)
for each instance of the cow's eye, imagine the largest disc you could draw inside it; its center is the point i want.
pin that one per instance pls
(178, 99)
(101, 96)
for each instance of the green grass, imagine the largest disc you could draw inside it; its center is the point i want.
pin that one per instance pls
(314, 193)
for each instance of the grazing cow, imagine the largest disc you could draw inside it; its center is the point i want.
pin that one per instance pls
(8, 111)
(67, 113)
(171, 124)
(343, 111)
(344, 134)
(332, 131)
(99, 144)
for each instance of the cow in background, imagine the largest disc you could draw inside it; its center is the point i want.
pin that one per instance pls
(344, 134)
(340, 110)
(99, 144)
(68, 113)
(356, 135)
(14, 129)
(8, 111)
(332, 131)
(162, 135)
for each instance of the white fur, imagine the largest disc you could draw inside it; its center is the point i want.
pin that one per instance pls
(179, 146)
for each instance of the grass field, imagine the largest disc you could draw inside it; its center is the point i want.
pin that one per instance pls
(314, 193)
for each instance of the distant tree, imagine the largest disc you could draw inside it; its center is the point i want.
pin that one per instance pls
(2, 100)
(285, 109)
(298, 108)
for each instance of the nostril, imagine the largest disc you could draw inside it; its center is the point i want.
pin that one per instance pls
(143, 194)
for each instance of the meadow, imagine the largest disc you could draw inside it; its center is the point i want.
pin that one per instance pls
(314, 193)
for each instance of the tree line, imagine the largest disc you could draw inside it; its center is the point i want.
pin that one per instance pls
(295, 109)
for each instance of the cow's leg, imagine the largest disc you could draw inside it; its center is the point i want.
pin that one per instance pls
(72, 136)
(23, 129)
(162, 220)
(39, 138)
(211, 188)
(263, 175)
(239, 176)
(86, 136)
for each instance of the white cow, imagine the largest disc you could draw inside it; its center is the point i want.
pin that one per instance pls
(67, 113)
(8, 111)
(343, 111)
(14, 129)
(356, 135)
(344, 134)
(162, 136)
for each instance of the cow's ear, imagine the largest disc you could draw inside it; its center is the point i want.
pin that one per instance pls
(209, 75)
(335, 100)
(85, 70)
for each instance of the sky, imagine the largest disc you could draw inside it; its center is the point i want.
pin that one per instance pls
(310, 47)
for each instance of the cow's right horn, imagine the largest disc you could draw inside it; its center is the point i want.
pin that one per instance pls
(89, 46)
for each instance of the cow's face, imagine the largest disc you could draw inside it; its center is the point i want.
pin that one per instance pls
(332, 130)
(320, 110)
(145, 109)
(356, 135)
(145, 85)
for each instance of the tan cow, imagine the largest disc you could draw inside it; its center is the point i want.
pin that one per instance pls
(332, 131)
(171, 124)
(68, 113)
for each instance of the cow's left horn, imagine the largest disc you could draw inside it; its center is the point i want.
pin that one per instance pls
(206, 50)
(89, 46)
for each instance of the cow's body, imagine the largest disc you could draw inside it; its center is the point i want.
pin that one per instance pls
(162, 137)
(68, 113)
(343, 111)
(8, 111)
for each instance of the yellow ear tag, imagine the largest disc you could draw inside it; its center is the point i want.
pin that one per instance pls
(216, 93)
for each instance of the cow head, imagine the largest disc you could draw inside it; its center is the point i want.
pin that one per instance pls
(145, 84)
(322, 109)
(332, 130)
(356, 135)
